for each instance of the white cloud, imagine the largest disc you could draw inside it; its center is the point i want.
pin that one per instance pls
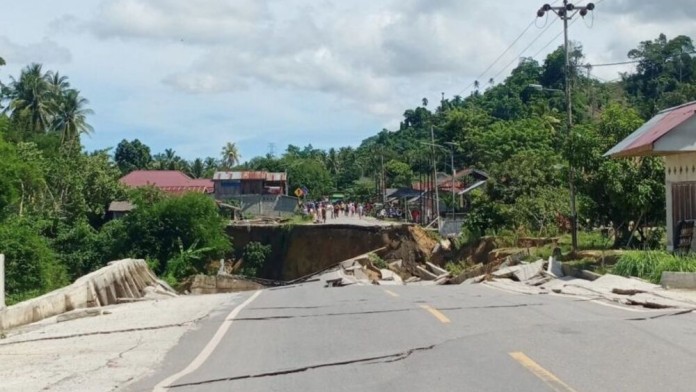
(44, 51)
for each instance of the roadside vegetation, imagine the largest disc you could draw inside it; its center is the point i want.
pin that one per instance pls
(650, 265)
(54, 195)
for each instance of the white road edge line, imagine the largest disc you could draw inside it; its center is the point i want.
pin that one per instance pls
(208, 349)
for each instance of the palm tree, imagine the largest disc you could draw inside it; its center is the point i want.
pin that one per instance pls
(197, 168)
(58, 84)
(70, 116)
(230, 154)
(30, 98)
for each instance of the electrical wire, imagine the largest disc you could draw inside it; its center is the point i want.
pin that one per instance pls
(519, 55)
(533, 22)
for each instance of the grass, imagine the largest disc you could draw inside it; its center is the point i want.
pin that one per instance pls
(649, 265)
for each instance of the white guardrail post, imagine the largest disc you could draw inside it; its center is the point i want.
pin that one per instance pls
(2, 280)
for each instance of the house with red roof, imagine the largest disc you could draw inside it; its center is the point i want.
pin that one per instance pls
(672, 134)
(169, 181)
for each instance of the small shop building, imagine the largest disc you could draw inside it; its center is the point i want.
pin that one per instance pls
(671, 134)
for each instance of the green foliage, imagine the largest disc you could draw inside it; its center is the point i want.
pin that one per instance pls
(376, 260)
(32, 266)
(186, 262)
(399, 174)
(649, 265)
(155, 231)
(133, 155)
(312, 174)
(455, 268)
(255, 256)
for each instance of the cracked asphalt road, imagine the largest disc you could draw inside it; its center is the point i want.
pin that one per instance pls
(359, 338)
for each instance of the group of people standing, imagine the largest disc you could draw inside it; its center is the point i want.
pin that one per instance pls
(323, 210)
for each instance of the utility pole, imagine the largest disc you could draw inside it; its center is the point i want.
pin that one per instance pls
(454, 173)
(566, 12)
(437, 195)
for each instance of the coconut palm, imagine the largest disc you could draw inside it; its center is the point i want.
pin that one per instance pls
(30, 98)
(230, 154)
(70, 115)
(58, 84)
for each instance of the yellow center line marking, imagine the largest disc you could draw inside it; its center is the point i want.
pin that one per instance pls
(393, 294)
(438, 315)
(546, 376)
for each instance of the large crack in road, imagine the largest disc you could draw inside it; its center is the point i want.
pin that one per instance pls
(388, 358)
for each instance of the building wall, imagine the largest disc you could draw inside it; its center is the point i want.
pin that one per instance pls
(680, 172)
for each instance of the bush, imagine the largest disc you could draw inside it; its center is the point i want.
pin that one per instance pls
(31, 266)
(649, 265)
(159, 231)
(255, 257)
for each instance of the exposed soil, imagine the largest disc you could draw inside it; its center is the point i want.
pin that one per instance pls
(301, 250)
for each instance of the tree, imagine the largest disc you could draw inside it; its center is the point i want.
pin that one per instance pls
(70, 117)
(311, 174)
(30, 99)
(230, 154)
(158, 231)
(130, 156)
(399, 174)
(197, 168)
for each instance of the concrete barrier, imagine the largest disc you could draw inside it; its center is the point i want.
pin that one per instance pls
(120, 279)
(678, 280)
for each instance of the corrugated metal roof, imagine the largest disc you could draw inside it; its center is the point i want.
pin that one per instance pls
(249, 175)
(172, 181)
(641, 141)
(120, 206)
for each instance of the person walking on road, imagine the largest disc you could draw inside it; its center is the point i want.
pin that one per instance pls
(360, 211)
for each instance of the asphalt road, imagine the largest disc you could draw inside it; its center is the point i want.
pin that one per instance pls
(431, 338)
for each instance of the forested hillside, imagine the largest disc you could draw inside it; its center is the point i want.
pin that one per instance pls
(54, 195)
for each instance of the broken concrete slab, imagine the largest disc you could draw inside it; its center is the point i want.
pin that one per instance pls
(80, 313)
(475, 280)
(622, 285)
(436, 270)
(478, 269)
(555, 268)
(656, 302)
(511, 285)
(505, 272)
(678, 280)
(526, 272)
(126, 278)
(425, 274)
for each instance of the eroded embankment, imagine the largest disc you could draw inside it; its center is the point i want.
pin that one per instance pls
(300, 250)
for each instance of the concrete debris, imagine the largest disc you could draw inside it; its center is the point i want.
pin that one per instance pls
(425, 274)
(398, 264)
(678, 280)
(476, 279)
(628, 291)
(437, 270)
(527, 272)
(80, 313)
(554, 268)
(128, 278)
(477, 270)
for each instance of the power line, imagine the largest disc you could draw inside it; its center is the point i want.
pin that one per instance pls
(524, 50)
(532, 23)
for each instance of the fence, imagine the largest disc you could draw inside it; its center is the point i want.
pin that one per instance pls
(266, 205)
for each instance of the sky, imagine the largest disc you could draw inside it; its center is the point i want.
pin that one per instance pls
(194, 75)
